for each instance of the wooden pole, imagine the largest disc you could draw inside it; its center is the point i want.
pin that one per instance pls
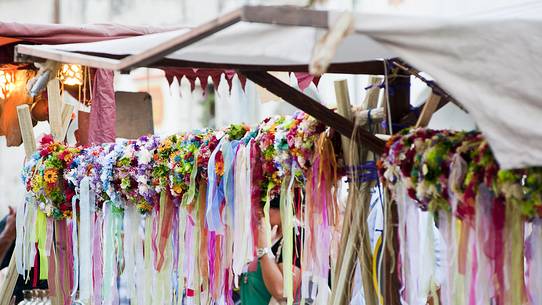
(55, 108)
(66, 117)
(429, 108)
(354, 245)
(29, 142)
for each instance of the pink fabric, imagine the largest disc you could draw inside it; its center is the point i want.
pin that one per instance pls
(103, 111)
(61, 33)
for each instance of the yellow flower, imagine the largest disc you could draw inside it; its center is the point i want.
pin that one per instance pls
(177, 188)
(144, 207)
(50, 176)
(67, 214)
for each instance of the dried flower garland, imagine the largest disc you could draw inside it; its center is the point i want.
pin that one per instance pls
(438, 165)
(138, 171)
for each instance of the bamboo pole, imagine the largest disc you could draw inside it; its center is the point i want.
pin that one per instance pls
(354, 244)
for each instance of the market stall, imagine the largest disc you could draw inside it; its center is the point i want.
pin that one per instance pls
(128, 175)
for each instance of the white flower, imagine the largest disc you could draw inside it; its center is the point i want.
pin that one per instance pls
(144, 156)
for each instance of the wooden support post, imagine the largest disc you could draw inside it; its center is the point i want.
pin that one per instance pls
(354, 244)
(399, 97)
(55, 108)
(66, 117)
(315, 109)
(429, 108)
(400, 106)
(29, 142)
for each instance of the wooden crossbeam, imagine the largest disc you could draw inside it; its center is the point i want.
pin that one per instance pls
(430, 106)
(318, 111)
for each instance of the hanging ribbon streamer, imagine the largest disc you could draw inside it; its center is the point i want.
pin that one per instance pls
(41, 236)
(533, 254)
(287, 221)
(75, 249)
(85, 239)
(215, 192)
(97, 259)
(167, 209)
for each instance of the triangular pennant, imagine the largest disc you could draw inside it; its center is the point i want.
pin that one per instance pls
(303, 80)
(242, 80)
(229, 77)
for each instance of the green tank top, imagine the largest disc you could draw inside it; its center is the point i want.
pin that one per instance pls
(253, 290)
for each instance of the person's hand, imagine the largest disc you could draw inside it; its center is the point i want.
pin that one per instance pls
(9, 233)
(265, 234)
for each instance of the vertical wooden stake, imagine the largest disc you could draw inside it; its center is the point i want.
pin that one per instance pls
(354, 242)
(371, 97)
(55, 108)
(67, 111)
(27, 131)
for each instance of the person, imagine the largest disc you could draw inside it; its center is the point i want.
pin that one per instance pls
(262, 284)
(7, 235)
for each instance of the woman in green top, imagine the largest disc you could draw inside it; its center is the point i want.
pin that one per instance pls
(264, 280)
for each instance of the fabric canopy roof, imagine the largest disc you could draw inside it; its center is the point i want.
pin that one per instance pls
(490, 64)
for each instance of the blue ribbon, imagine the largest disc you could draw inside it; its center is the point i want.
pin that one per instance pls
(215, 194)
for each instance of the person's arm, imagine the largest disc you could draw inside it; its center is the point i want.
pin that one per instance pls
(8, 235)
(271, 271)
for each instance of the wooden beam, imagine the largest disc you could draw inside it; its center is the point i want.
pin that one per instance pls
(37, 53)
(285, 15)
(54, 100)
(429, 108)
(318, 111)
(196, 34)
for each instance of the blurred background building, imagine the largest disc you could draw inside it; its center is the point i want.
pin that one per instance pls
(175, 107)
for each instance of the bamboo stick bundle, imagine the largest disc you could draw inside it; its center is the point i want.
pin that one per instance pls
(354, 244)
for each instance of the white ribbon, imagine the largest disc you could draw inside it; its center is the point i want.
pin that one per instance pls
(85, 240)
(75, 250)
(20, 220)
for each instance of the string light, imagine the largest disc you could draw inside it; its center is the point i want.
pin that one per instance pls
(7, 83)
(71, 75)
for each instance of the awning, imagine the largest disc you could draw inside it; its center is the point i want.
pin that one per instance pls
(490, 64)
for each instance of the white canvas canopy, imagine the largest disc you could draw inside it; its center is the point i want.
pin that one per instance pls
(491, 64)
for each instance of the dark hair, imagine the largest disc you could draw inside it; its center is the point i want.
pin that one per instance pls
(275, 203)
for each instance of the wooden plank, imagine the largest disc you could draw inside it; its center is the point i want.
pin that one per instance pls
(160, 51)
(285, 15)
(66, 117)
(36, 53)
(54, 100)
(315, 109)
(27, 130)
(429, 108)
